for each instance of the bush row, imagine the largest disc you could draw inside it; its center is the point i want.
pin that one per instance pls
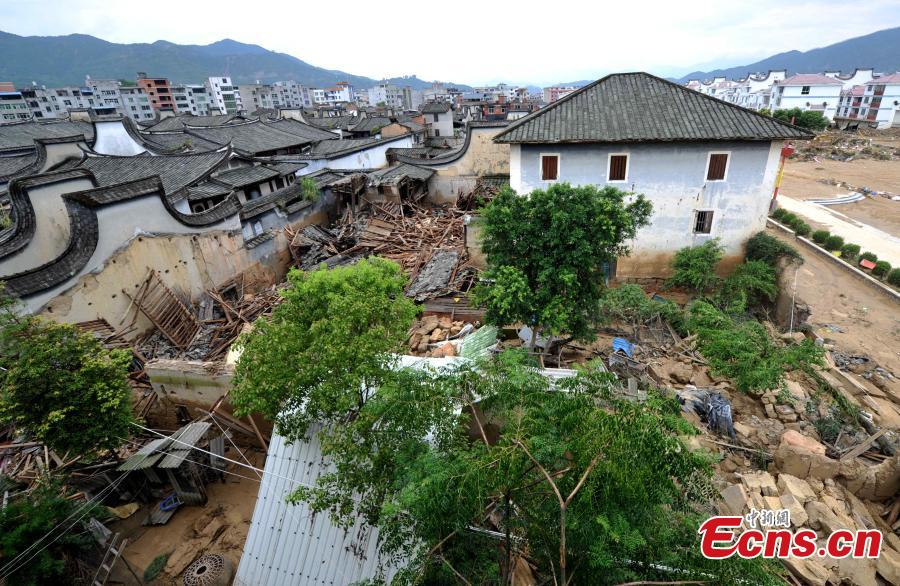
(833, 243)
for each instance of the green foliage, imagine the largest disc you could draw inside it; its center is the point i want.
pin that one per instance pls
(309, 189)
(629, 304)
(821, 236)
(324, 346)
(779, 213)
(765, 111)
(694, 266)
(789, 218)
(833, 243)
(809, 119)
(155, 568)
(849, 251)
(61, 384)
(5, 220)
(882, 268)
(415, 462)
(750, 284)
(802, 228)
(769, 249)
(869, 256)
(893, 277)
(546, 254)
(744, 352)
(27, 519)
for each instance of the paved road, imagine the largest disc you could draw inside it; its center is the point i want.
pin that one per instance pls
(886, 246)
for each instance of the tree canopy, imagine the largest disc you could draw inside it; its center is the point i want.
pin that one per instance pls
(589, 487)
(61, 384)
(546, 254)
(809, 119)
(329, 341)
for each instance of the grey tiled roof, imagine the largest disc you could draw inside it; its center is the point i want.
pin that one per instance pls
(398, 172)
(175, 171)
(13, 164)
(639, 107)
(178, 141)
(22, 135)
(370, 124)
(333, 122)
(331, 148)
(436, 108)
(179, 122)
(251, 138)
(302, 130)
(242, 176)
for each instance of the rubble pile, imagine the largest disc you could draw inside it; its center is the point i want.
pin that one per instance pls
(427, 242)
(434, 336)
(844, 146)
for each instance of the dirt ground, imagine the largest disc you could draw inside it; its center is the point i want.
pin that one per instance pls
(230, 504)
(870, 319)
(801, 181)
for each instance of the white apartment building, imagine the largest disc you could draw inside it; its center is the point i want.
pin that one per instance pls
(191, 99)
(318, 96)
(291, 94)
(808, 91)
(13, 107)
(223, 96)
(342, 92)
(386, 94)
(136, 103)
(258, 95)
(858, 77)
(881, 101)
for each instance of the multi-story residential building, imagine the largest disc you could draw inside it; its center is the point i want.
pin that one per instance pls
(258, 95)
(136, 103)
(808, 91)
(438, 119)
(191, 99)
(223, 96)
(341, 92)
(552, 94)
(437, 93)
(291, 94)
(412, 99)
(881, 101)
(386, 94)
(851, 102)
(318, 96)
(13, 107)
(858, 77)
(159, 91)
(106, 94)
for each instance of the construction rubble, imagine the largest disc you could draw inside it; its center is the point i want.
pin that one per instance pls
(845, 146)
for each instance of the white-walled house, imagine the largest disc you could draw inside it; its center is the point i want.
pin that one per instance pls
(438, 119)
(808, 91)
(881, 101)
(708, 167)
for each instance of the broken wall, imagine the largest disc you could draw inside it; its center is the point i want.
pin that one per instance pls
(480, 155)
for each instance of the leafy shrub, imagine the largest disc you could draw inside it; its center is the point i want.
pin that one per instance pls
(750, 284)
(850, 251)
(789, 218)
(882, 268)
(820, 236)
(769, 249)
(694, 266)
(779, 213)
(869, 256)
(744, 352)
(156, 567)
(894, 277)
(809, 119)
(629, 303)
(802, 228)
(833, 243)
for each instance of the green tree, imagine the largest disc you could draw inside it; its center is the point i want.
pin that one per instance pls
(329, 341)
(27, 519)
(310, 189)
(546, 254)
(591, 488)
(694, 267)
(61, 384)
(809, 119)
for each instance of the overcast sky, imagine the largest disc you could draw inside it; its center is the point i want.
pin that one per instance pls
(476, 42)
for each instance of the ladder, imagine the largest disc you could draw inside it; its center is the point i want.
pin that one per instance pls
(113, 551)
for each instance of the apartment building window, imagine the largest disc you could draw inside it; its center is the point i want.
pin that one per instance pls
(617, 169)
(703, 222)
(717, 167)
(804, 90)
(549, 167)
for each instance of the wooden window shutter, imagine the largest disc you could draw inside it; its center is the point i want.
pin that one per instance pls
(618, 165)
(549, 167)
(717, 165)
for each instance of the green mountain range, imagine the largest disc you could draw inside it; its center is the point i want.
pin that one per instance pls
(65, 60)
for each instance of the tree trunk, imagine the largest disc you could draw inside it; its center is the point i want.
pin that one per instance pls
(562, 545)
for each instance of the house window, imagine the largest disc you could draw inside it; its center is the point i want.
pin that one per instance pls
(279, 183)
(703, 222)
(257, 228)
(804, 90)
(435, 117)
(437, 132)
(549, 167)
(618, 168)
(717, 167)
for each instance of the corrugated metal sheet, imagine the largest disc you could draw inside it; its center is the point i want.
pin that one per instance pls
(191, 435)
(146, 457)
(289, 544)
